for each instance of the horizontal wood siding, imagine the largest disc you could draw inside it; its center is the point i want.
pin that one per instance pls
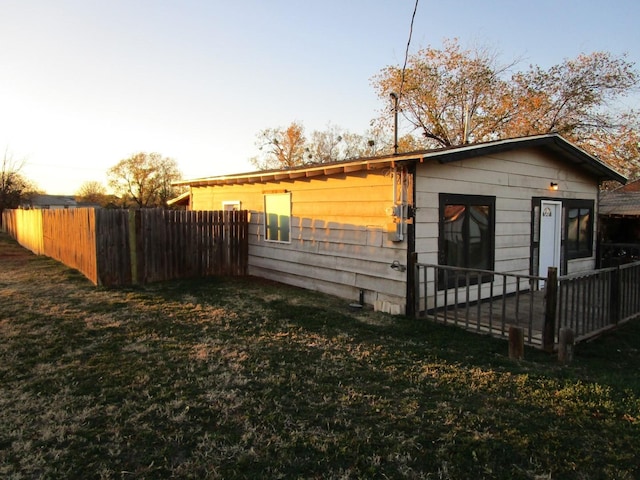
(514, 178)
(339, 241)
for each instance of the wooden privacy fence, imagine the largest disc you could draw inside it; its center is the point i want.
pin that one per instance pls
(120, 247)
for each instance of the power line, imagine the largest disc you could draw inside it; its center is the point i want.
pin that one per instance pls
(406, 53)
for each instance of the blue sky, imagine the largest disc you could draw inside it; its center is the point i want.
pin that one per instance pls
(86, 83)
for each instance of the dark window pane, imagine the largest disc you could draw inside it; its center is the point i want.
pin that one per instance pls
(479, 237)
(583, 230)
(454, 216)
(579, 228)
(572, 229)
(466, 234)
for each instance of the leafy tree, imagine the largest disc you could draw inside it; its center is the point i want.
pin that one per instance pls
(14, 187)
(145, 178)
(571, 98)
(454, 96)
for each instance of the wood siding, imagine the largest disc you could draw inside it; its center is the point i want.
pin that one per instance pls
(339, 235)
(514, 178)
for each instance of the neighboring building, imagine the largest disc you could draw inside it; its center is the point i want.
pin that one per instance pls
(620, 223)
(46, 202)
(355, 228)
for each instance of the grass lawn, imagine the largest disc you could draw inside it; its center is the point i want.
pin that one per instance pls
(243, 378)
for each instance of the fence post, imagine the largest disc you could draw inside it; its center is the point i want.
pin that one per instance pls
(551, 294)
(134, 217)
(566, 344)
(614, 293)
(516, 342)
(413, 286)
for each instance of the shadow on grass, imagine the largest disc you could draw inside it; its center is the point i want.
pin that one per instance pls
(245, 378)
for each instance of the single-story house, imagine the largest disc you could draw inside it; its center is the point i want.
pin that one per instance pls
(50, 202)
(355, 228)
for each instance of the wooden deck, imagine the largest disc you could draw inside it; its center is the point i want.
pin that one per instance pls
(494, 317)
(588, 303)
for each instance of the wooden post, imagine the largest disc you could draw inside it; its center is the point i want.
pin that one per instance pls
(566, 342)
(133, 245)
(413, 286)
(614, 294)
(516, 342)
(551, 295)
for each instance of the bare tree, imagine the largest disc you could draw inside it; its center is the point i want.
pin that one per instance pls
(93, 191)
(286, 148)
(145, 178)
(281, 147)
(14, 187)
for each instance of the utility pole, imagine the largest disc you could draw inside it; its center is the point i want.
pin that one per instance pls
(395, 122)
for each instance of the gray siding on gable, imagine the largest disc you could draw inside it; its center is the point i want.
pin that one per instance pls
(514, 178)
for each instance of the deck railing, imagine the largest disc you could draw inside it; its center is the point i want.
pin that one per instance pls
(491, 302)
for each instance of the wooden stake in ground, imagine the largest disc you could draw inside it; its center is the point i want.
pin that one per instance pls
(516, 343)
(565, 345)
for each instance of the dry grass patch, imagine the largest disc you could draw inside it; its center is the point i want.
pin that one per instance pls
(242, 378)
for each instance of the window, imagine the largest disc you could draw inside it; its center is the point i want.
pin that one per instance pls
(466, 231)
(578, 223)
(231, 205)
(277, 215)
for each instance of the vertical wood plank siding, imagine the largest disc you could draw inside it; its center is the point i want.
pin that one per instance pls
(70, 238)
(117, 247)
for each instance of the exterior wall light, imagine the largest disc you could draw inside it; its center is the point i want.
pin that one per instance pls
(553, 186)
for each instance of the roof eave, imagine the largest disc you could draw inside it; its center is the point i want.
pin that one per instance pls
(553, 142)
(348, 166)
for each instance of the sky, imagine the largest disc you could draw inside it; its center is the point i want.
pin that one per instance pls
(87, 83)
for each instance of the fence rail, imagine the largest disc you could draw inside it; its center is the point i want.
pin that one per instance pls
(481, 300)
(119, 247)
(490, 302)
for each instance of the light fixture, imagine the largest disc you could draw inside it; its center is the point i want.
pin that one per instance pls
(553, 186)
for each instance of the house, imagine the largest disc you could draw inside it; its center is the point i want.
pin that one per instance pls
(355, 228)
(50, 202)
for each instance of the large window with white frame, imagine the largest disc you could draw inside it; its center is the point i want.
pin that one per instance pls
(277, 217)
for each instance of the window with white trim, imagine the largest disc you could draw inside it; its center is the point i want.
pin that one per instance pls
(231, 205)
(277, 217)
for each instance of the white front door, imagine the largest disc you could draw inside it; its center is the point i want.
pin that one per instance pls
(550, 236)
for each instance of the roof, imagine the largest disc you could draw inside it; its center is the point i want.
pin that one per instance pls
(550, 142)
(633, 186)
(182, 199)
(52, 200)
(620, 204)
